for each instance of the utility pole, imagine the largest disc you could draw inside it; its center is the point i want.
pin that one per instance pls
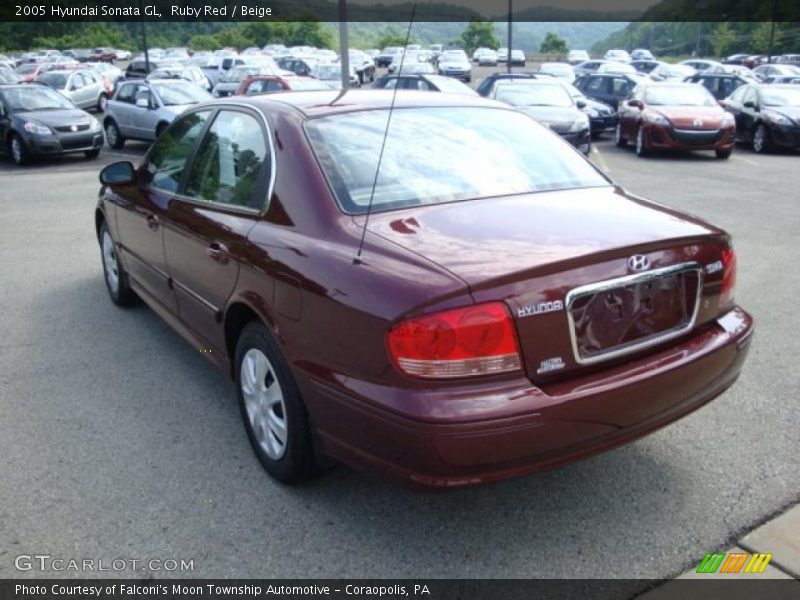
(344, 46)
(510, 34)
(144, 39)
(771, 48)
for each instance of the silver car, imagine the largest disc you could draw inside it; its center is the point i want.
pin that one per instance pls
(141, 110)
(83, 87)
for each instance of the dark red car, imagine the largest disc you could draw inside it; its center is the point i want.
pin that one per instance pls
(675, 116)
(270, 84)
(489, 305)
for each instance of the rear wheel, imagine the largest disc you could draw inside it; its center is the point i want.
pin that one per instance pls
(18, 150)
(761, 142)
(641, 148)
(619, 138)
(273, 412)
(113, 135)
(102, 101)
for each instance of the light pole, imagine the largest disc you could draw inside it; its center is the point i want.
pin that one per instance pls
(510, 34)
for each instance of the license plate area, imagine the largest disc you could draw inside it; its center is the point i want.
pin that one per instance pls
(623, 315)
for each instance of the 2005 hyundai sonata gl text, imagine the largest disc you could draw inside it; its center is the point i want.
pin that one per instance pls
(511, 309)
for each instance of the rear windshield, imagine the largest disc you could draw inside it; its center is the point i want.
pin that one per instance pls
(477, 153)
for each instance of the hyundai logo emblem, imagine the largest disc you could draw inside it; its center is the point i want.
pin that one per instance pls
(697, 123)
(638, 262)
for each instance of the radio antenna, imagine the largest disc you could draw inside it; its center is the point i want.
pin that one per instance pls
(357, 259)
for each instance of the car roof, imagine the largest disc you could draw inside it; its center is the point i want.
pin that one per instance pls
(314, 103)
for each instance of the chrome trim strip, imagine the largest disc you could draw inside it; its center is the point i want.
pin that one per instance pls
(610, 284)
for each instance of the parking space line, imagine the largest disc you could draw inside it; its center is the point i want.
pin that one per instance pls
(747, 160)
(600, 160)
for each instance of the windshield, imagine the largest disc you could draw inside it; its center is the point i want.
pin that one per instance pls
(34, 98)
(176, 94)
(480, 152)
(556, 69)
(533, 95)
(25, 69)
(781, 97)
(301, 84)
(54, 80)
(239, 74)
(327, 71)
(679, 95)
(453, 55)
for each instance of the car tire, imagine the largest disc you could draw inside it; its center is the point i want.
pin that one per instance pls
(619, 139)
(102, 101)
(92, 154)
(641, 149)
(761, 141)
(723, 154)
(18, 150)
(114, 274)
(272, 407)
(113, 135)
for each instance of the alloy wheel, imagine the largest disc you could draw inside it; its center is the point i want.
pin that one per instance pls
(264, 403)
(760, 139)
(17, 152)
(111, 134)
(110, 263)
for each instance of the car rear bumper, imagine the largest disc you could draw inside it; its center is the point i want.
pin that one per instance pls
(515, 428)
(605, 123)
(670, 138)
(64, 144)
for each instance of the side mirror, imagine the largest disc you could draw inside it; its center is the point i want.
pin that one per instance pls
(636, 104)
(750, 104)
(580, 104)
(118, 173)
(142, 103)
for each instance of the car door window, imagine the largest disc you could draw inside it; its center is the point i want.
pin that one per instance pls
(125, 94)
(270, 86)
(142, 93)
(171, 151)
(619, 87)
(232, 164)
(594, 84)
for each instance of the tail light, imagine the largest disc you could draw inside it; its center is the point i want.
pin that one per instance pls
(463, 342)
(728, 278)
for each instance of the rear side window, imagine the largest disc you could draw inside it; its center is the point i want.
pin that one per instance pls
(171, 151)
(594, 84)
(125, 93)
(232, 165)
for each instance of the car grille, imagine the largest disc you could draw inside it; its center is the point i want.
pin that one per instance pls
(68, 128)
(688, 137)
(83, 141)
(623, 315)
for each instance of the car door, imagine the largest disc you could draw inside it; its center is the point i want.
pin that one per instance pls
(120, 108)
(733, 104)
(74, 88)
(631, 115)
(207, 224)
(593, 86)
(750, 114)
(89, 91)
(143, 118)
(140, 210)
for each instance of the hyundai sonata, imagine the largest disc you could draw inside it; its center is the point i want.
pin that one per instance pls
(434, 288)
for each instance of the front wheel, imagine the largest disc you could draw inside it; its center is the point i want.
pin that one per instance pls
(102, 101)
(115, 276)
(619, 139)
(113, 136)
(18, 150)
(761, 143)
(273, 412)
(641, 148)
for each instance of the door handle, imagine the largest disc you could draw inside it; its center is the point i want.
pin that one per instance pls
(218, 252)
(152, 222)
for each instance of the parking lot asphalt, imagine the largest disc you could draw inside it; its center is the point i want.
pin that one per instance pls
(120, 441)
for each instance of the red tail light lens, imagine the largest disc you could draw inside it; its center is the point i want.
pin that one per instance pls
(463, 342)
(728, 278)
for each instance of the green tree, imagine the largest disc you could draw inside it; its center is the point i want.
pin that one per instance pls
(760, 40)
(552, 44)
(479, 34)
(204, 42)
(722, 38)
(393, 38)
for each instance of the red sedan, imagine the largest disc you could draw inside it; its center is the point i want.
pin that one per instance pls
(481, 304)
(270, 84)
(675, 116)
